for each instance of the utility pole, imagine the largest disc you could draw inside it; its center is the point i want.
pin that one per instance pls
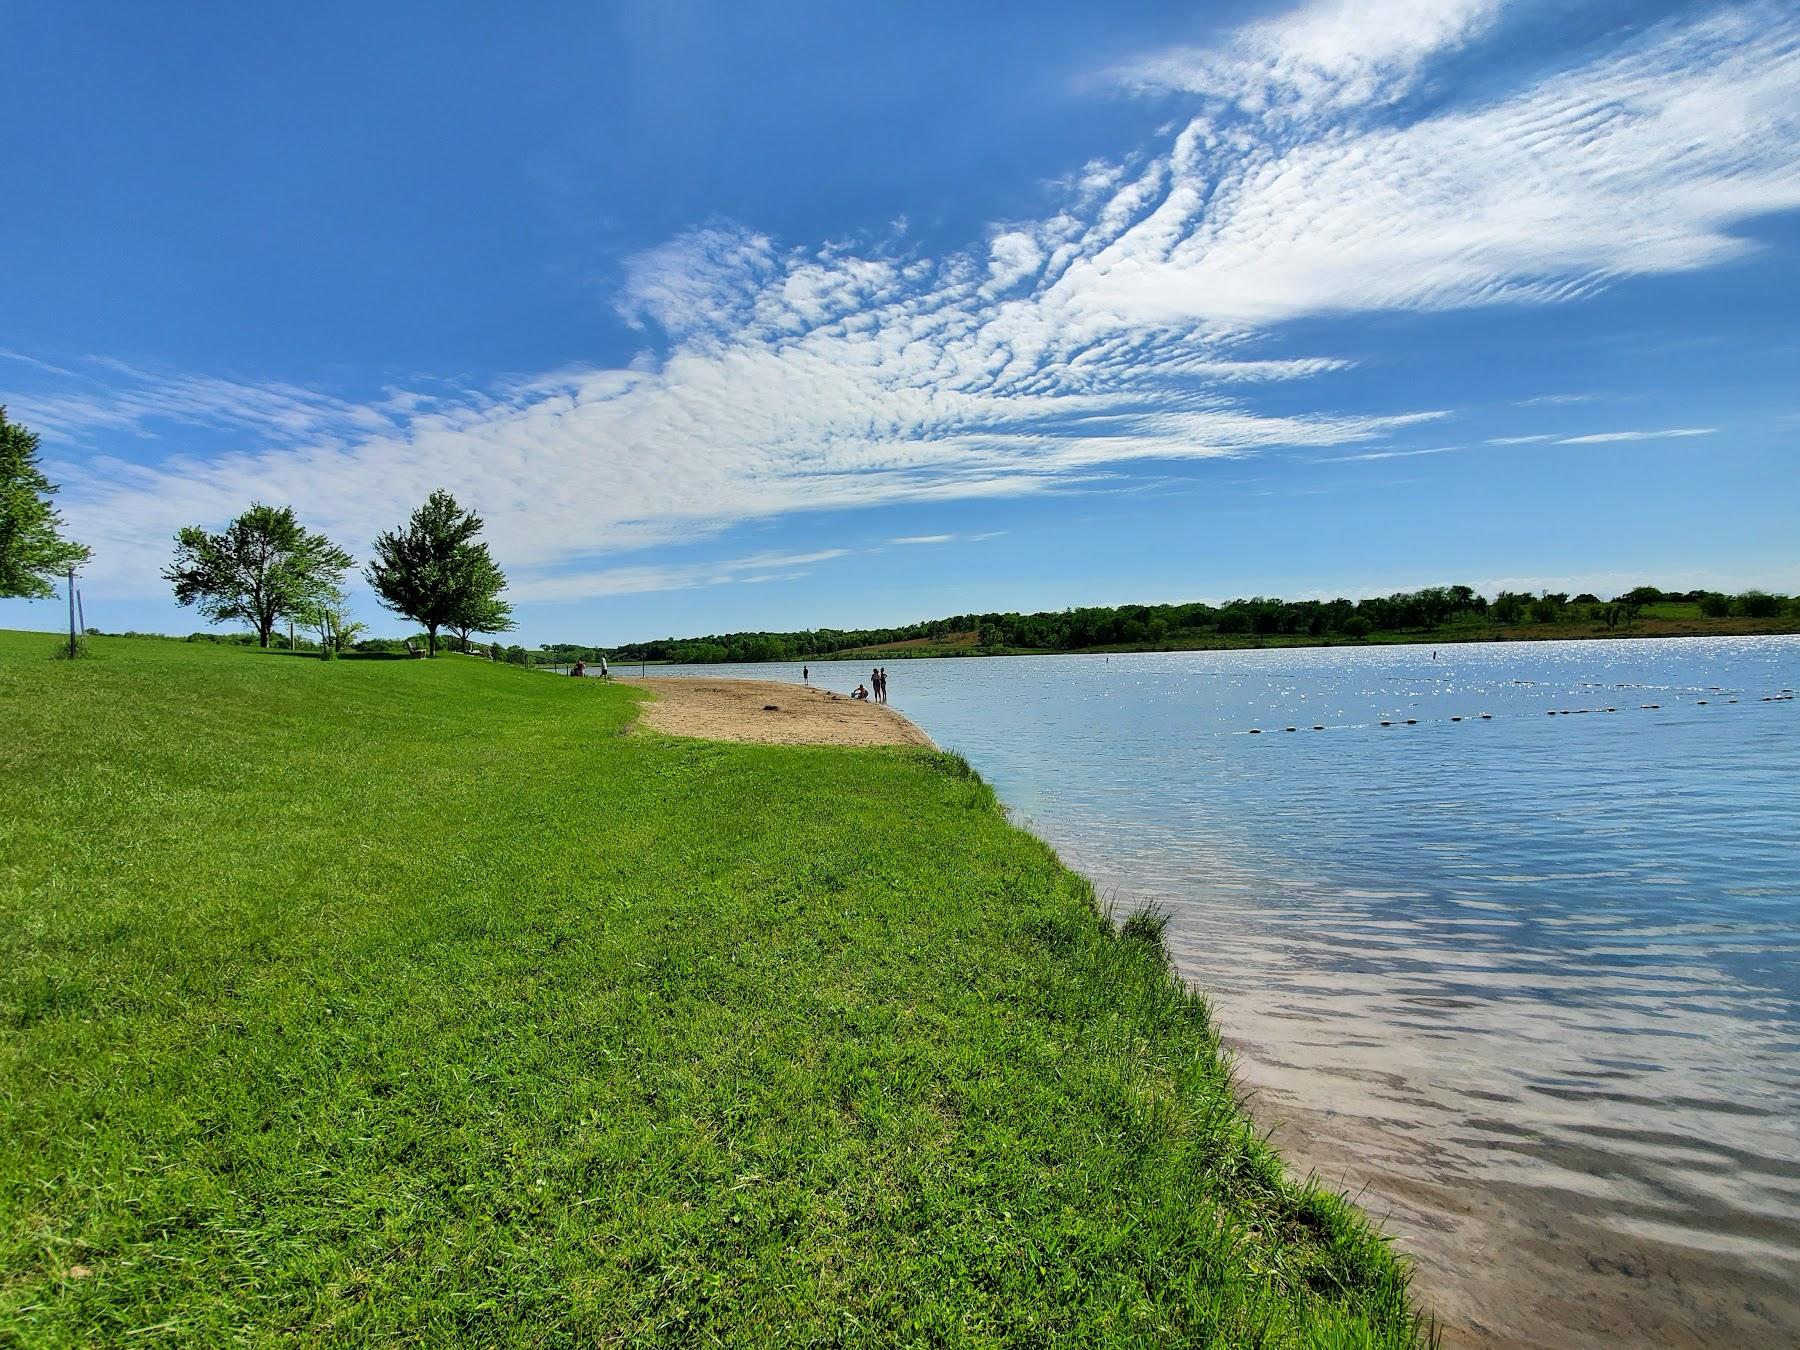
(71, 613)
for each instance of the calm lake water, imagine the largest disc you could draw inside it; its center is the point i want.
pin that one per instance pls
(1527, 984)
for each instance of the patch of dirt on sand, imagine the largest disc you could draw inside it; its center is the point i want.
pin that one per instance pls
(769, 713)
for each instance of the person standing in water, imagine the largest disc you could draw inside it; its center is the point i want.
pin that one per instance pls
(884, 684)
(805, 675)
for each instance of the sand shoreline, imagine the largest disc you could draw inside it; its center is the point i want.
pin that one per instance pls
(768, 712)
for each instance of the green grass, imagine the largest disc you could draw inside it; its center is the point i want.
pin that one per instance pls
(416, 1000)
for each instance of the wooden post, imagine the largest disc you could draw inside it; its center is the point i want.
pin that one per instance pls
(81, 612)
(71, 613)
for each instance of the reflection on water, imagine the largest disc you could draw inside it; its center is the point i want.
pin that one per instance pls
(1527, 982)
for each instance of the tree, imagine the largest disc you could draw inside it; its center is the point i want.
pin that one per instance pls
(1619, 612)
(1759, 605)
(328, 614)
(433, 572)
(478, 607)
(32, 552)
(1548, 608)
(263, 566)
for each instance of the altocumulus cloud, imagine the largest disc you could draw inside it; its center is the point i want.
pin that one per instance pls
(1303, 177)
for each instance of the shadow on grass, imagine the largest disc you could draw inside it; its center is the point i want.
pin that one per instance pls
(341, 656)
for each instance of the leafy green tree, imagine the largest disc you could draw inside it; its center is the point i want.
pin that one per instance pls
(433, 572)
(1715, 606)
(1356, 627)
(1509, 607)
(1759, 605)
(1617, 613)
(264, 564)
(328, 614)
(32, 551)
(478, 607)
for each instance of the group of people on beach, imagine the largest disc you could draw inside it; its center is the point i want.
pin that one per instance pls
(877, 679)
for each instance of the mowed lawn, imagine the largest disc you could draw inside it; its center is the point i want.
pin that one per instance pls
(418, 1000)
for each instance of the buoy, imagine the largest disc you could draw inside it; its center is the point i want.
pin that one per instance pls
(1487, 717)
(1412, 721)
(1290, 728)
(1699, 703)
(1387, 724)
(1256, 731)
(1456, 719)
(1318, 728)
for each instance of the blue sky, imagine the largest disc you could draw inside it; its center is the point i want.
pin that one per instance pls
(755, 315)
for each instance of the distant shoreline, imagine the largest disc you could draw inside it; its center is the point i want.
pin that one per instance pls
(1458, 636)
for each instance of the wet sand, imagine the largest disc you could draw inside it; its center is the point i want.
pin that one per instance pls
(769, 713)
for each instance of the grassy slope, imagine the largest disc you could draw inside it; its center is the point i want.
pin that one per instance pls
(412, 998)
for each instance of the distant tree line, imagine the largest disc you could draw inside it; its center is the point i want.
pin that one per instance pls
(1421, 611)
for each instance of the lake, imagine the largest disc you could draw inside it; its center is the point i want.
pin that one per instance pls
(1527, 983)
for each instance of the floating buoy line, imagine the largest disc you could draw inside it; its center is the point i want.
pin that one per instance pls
(1780, 696)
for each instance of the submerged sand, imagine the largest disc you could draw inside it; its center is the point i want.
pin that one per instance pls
(769, 713)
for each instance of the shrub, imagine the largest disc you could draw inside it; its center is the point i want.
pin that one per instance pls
(1759, 605)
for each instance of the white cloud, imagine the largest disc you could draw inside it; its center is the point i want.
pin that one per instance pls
(585, 585)
(1602, 437)
(1319, 56)
(923, 539)
(1123, 325)
(1638, 162)
(1394, 454)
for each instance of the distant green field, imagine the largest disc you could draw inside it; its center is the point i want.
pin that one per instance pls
(388, 999)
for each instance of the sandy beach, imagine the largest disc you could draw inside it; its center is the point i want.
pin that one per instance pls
(769, 713)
